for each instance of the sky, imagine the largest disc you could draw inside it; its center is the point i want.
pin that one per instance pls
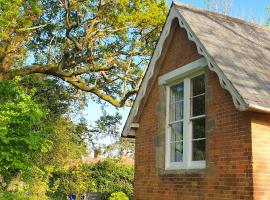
(249, 9)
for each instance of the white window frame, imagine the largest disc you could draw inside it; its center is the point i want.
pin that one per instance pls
(183, 74)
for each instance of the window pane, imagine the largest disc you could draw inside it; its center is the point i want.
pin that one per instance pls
(198, 150)
(198, 128)
(198, 105)
(177, 93)
(176, 111)
(177, 132)
(198, 86)
(176, 152)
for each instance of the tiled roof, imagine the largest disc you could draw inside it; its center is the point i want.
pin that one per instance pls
(239, 48)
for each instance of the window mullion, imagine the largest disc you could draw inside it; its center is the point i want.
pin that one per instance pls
(187, 138)
(168, 130)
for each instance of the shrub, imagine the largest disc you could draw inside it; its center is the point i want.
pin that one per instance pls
(106, 177)
(118, 196)
(12, 196)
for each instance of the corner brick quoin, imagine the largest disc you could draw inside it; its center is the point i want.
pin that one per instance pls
(237, 149)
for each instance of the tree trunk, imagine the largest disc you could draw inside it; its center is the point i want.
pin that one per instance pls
(97, 152)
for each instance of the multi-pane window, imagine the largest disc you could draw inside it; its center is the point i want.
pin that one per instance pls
(186, 124)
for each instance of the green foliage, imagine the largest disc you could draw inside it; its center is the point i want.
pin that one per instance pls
(118, 196)
(16, 17)
(105, 128)
(36, 135)
(106, 177)
(32, 187)
(57, 97)
(23, 133)
(97, 46)
(67, 144)
(17, 13)
(14, 196)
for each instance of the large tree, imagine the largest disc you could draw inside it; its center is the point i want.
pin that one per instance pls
(97, 46)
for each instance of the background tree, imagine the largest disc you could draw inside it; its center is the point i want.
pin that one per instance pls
(121, 148)
(104, 137)
(62, 104)
(221, 6)
(23, 133)
(96, 46)
(268, 20)
(67, 145)
(37, 135)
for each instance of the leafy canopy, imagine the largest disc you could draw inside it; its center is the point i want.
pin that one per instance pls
(37, 135)
(96, 46)
(22, 129)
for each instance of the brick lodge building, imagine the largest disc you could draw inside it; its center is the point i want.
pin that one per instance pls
(201, 119)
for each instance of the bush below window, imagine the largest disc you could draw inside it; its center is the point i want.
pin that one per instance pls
(107, 177)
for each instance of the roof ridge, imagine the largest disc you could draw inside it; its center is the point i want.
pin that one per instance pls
(226, 17)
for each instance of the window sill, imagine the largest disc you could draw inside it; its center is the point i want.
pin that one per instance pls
(183, 168)
(195, 167)
(183, 171)
(186, 166)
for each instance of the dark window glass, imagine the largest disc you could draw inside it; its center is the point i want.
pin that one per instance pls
(198, 105)
(198, 86)
(198, 128)
(198, 150)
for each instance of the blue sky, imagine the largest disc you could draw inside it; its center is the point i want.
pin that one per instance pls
(248, 8)
(251, 8)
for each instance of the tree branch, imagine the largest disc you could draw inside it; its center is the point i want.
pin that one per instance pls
(70, 26)
(97, 91)
(33, 28)
(71, 78)
(51, 70)
(47, 69)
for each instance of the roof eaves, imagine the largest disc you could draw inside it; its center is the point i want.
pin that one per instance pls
(256, 108)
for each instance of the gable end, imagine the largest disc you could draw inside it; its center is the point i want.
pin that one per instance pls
(225, 83)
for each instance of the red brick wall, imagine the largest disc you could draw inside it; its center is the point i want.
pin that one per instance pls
(261, 155)
(229, 172)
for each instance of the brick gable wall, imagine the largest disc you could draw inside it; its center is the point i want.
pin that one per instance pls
(228, 174)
